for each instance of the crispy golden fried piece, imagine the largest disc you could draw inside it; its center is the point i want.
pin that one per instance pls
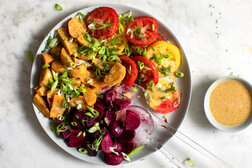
(76, 27)
(58, 66)
(67, 41)
(49, 95)
(45, 75)
(65, 58)
(115, 75)
(57, 108)
(41, 90)
(47, 58)
(41, 105)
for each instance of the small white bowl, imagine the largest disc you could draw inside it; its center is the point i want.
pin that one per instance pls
(209, 115)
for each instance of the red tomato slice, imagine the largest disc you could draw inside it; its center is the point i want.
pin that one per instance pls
(170, 104)
(146, 75)
(132, 70)
(160, 38)
(142, 31)
(102, 22)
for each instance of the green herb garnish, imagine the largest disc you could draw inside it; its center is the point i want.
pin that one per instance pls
(137, 149)
(83, 150)
(171, 89)
(150, 85)
(45, 66)
(165, 71)
(138, 31)
(58, 7)
(179, 74)
(87, 37)
(48, 41)
(190, 162)
(153, 27)
(30, 56)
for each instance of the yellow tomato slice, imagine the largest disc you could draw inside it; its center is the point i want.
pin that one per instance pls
(118, 41)
(163, 91)
(164, 55)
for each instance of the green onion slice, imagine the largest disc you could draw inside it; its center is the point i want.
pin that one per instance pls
(137, 149)
(180, 74)
(83, 150)
(45, 66)
(58, 7)
(30, 56)
(138, 31)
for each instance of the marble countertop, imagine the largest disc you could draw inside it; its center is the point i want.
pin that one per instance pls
(215, 35)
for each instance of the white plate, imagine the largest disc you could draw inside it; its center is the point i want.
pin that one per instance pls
(175, 118)
(209, 115)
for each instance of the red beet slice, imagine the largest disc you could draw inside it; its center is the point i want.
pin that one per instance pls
(127, 136)
(76, 138)
(113, 159)
(116, 129)
(132, 120)
(109, 116)
(106, 143)
(128, 147)
(117, 147)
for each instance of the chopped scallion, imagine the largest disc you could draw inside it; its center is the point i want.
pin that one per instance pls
(179, 74)
(58, 7)
(45, 66)
(138, 31)
(137, 149)
(83, 150)
(30, 56)
(87, 37)
(153, 27)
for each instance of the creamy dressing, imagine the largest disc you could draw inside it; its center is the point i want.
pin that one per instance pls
(230, 103)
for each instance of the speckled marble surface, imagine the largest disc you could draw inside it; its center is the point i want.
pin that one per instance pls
(215, 35)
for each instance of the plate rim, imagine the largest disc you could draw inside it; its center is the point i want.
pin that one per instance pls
(89, 8)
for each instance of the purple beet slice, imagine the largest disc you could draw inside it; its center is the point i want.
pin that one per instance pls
(113, 159)
(106, 143)
(76, 138)
(128, 147)
(109, 116)
(127, 136)
(132, 121)
(117, 147)
(116, 129)
(66, 134)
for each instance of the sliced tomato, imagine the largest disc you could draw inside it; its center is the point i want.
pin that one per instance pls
(170, 104)
(102, 22)
(142, 31)
(132, 70)
(148, 74)
(160, 38)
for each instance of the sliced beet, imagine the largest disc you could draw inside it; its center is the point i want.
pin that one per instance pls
(109, 116)
(128, 147)
(117, 147)
(64, 128)
(121, 103)
(127, 136)
(99, 104)
(106, 143)
(90, 151)
(66, 134)
(100, 107)
(110, 96)
(113, 159)
(76, 138)
(132, 120)
(116, 129)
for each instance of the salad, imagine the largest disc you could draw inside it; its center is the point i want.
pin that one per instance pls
(92, 70)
